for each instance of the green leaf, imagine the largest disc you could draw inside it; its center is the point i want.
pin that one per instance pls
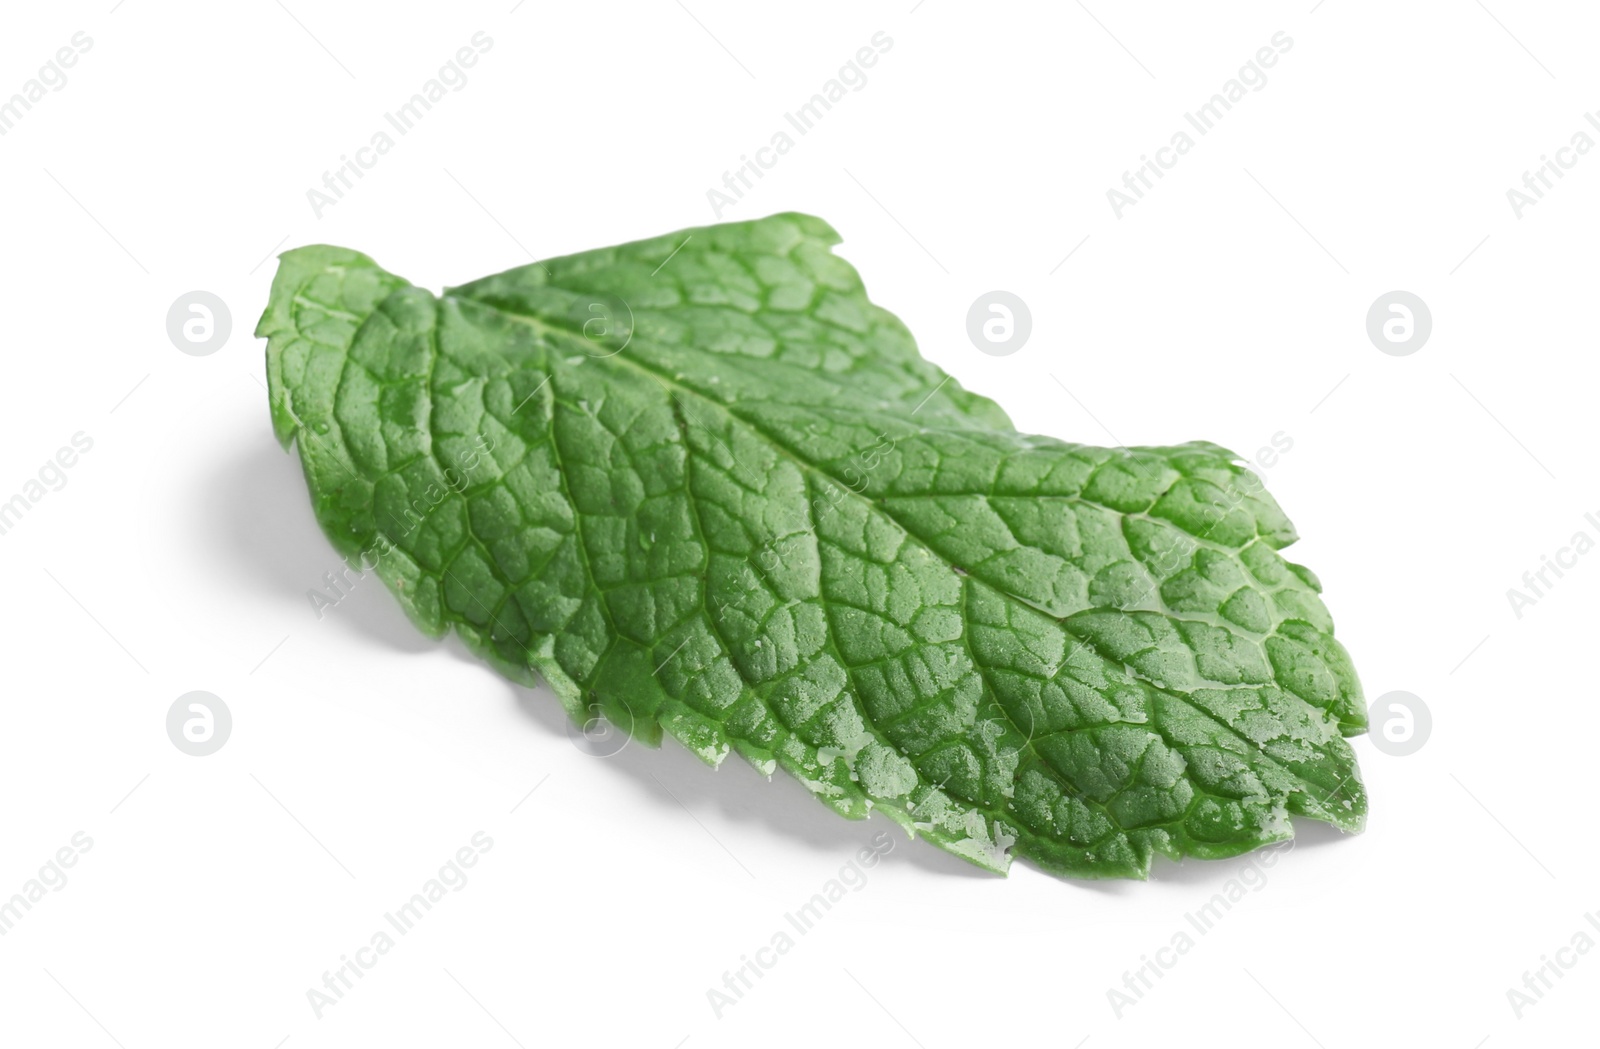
(702, 486)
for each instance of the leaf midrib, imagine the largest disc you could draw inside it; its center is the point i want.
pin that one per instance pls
(674, 383)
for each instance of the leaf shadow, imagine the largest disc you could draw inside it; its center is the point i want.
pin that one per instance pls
(256, 524)
(257, 521)
(256, 517)
(676, 780)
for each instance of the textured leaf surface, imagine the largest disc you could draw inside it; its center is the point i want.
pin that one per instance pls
(702, 486)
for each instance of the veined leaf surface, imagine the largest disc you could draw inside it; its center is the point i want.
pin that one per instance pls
(702, 486)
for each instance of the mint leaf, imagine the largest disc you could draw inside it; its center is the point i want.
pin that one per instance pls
(702, 486)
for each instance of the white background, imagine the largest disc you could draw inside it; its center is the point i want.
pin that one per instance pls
(1229, 304)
